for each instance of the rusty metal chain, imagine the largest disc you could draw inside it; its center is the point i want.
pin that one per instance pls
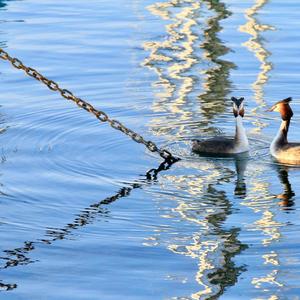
(100, 115)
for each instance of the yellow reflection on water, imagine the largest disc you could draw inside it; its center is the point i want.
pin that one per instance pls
(271, 258)
(259, 198)
(269, 227)
(270, 279)
(191, 41)
(265, 207)
(177, 52)
(207, 207)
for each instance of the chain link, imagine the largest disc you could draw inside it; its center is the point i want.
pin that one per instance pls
(100, 115)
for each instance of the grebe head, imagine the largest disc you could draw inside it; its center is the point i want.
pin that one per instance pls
(283, 107)
(238, 106)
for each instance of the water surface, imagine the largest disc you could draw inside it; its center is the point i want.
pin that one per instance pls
(79, 219)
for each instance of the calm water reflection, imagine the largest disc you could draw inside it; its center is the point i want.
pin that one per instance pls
(287, 196)
(205, 227)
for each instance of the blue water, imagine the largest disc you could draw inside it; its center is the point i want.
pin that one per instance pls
(79, 219)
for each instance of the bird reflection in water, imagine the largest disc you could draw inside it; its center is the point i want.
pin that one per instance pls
(287, 196)
(240, 190)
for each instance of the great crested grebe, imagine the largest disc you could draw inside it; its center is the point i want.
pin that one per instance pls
(226, 146)
(280, 148)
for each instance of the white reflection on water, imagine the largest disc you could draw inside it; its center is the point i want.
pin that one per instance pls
(173, 56)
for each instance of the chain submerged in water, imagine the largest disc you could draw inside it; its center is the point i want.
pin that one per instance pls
(100, 115)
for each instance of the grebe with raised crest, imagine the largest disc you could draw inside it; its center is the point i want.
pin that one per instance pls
(227, 146)
(280, 148)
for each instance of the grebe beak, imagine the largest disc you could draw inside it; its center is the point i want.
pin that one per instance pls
(271, 108)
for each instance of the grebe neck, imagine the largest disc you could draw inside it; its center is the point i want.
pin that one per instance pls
(240, 132)
(281, 137)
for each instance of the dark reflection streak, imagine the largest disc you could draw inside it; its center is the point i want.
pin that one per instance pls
(216, 83)
(17, 256)
(214, 244)
(226, 273)
(2, 3)
(217, 86)
(287, 197)
(240, 186)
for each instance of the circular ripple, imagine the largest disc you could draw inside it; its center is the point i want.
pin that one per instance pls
(259, 149)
